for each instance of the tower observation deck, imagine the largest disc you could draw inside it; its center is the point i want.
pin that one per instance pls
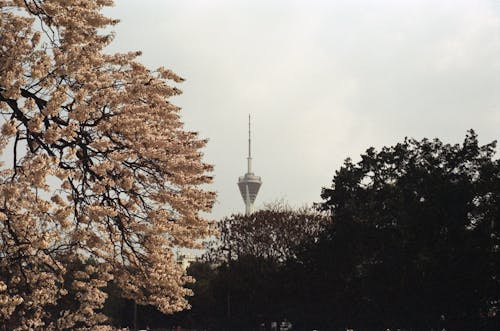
(249, 184)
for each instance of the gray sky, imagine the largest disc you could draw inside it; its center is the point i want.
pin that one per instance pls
(323, 80)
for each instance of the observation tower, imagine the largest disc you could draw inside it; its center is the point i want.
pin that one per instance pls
(249, 184)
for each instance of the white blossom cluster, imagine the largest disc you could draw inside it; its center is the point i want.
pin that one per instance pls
(127, 174)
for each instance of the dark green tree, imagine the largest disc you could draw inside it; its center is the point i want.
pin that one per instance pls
(243, 282)
(415, 242)
(272, 233)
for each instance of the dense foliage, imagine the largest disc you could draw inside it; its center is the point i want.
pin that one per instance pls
(272, 233)
(98, 168)
(416, 237)
(240, 282)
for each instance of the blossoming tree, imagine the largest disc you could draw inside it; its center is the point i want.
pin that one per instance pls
(99, 180)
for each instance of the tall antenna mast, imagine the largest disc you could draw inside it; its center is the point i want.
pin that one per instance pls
(249, 167)
(249, 184)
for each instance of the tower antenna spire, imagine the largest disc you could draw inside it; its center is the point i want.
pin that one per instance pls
(249, 167)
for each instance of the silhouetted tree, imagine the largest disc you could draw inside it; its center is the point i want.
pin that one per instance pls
(415, 241)
(242, 283)
(272, 233)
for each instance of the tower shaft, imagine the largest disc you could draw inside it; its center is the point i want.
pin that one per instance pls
(249, 158)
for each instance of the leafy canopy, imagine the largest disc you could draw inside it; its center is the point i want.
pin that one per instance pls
(97, 168)
(416, 233)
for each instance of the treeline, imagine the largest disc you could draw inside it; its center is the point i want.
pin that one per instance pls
(407, 238)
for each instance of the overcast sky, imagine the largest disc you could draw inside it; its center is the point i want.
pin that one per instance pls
(323, 80)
